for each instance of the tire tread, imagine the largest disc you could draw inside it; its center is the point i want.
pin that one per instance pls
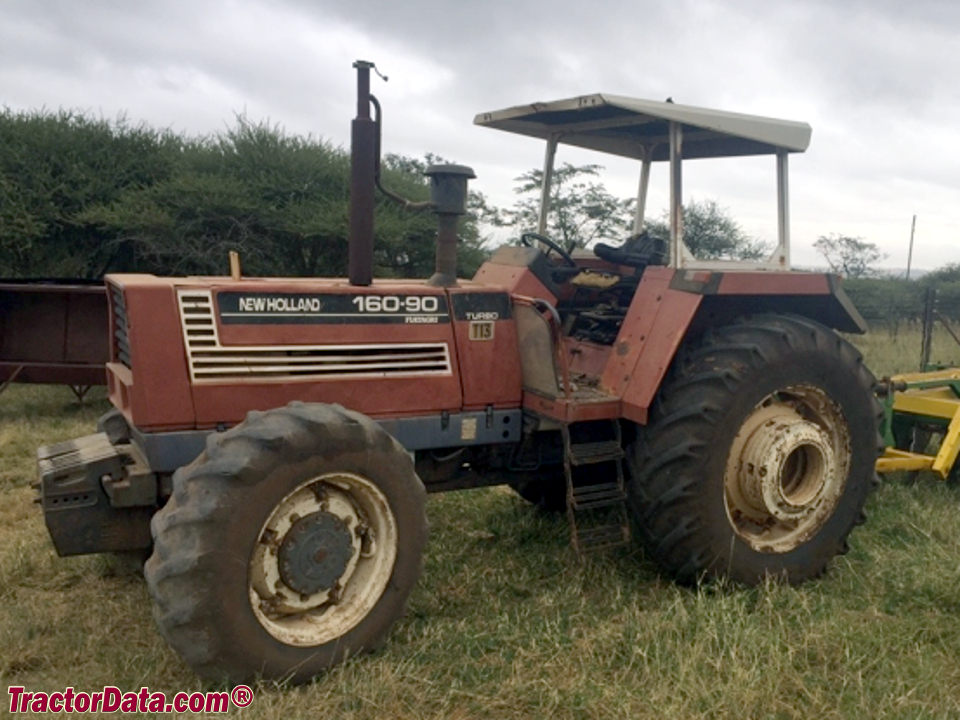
(183, 566)
(667, 460)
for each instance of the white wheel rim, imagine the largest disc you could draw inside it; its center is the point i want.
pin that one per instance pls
(787, 469)
(311, 619)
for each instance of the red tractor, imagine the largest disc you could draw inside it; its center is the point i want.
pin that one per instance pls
(274, 439)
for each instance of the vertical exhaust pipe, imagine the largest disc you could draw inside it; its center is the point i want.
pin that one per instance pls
(448, 193)
(363, 167)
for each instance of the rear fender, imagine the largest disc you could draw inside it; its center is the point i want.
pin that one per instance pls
(673, 305)
(726, 296)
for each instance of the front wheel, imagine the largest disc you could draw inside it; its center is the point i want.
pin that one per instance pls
(290, 544)
(760, 453)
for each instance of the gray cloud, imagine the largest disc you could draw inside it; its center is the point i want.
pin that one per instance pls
(875, 78)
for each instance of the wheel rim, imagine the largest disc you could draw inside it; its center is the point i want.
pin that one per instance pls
(323, 559)
(787, 469)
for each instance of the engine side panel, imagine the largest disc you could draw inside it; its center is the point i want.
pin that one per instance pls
(147, 377)
(387, 350)
(487, 347)
(195, 353)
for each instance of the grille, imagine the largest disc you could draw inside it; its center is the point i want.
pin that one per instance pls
(212, 362)
(121, 327)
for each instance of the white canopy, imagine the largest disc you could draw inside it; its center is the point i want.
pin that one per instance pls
(632, 127)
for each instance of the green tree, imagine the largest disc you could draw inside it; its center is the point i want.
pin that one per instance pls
(55, 165)
(711, 233)
(80, 197)
(949, 273)
(852, 257)
(582, 211)
(281, 201)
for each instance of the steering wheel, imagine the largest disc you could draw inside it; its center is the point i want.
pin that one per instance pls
(526, 239)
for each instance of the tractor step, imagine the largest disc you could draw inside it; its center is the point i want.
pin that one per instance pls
(588, 497)
(595, 452)
(596, 506)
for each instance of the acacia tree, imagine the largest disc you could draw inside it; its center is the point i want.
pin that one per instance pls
(582, 211)
(53, 166)
(711, 234)
(282, 201)
(852, 257)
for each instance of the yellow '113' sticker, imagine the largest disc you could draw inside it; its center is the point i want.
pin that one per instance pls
(481, 330)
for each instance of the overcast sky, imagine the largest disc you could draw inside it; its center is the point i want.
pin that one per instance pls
(878, 80)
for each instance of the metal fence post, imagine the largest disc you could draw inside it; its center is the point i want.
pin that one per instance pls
(929, 300)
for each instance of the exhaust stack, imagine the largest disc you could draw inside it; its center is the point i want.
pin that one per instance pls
(448, 193)
(363, 167)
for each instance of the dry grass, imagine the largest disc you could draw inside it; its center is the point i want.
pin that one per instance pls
(507, 623)
(889, 352)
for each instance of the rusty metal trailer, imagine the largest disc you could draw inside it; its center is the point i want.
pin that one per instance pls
(53, 331)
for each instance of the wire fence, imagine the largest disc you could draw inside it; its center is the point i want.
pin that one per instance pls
(894, 302)
(940, 315)
(930, 309)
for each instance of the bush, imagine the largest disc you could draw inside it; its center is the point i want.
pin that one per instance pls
(55, 166)
(80, 197)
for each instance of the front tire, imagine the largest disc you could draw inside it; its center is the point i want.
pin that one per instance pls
(759, 455)
(290, 544)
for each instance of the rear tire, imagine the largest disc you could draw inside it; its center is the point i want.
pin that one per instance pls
(759, 455)
(290, 544)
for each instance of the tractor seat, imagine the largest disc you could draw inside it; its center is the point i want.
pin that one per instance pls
(638, 251)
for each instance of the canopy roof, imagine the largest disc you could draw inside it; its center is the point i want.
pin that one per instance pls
(629, 126)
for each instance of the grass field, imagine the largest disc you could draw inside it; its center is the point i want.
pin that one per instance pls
(507, 623)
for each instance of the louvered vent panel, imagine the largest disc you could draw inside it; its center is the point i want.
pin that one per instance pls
(121, 327)
(210, 361)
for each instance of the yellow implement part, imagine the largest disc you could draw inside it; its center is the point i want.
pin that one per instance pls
(933, 402)
(930, 402)
(893, 459)
(934, 375)
(949, 447)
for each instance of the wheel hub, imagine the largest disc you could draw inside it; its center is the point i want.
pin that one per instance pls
(324, 557)
(787, 469)
(785, 465)
(315, 553)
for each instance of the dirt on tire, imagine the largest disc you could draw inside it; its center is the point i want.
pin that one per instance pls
(678, 464)
(205, 535)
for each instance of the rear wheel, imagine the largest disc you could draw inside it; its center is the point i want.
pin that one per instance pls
(760, 453)
(290, 544)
